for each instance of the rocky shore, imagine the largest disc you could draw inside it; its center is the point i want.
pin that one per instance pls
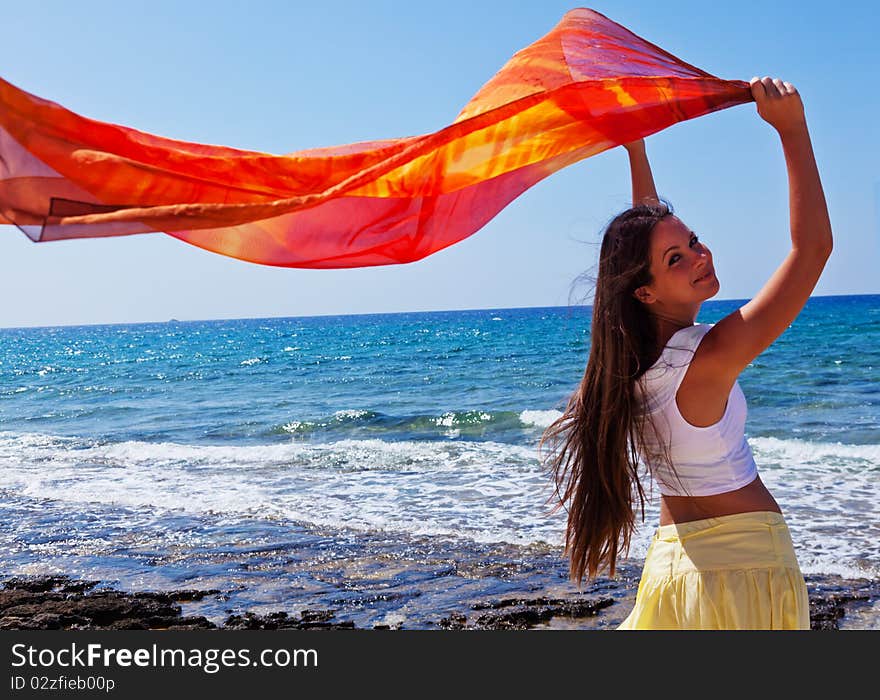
(61, 602)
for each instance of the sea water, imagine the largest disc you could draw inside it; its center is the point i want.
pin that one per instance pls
(155, 454)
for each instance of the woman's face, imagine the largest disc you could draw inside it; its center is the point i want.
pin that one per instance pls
(682, 268)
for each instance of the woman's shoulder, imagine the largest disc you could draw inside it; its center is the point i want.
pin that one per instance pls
(658, 384)
(693, 333)
(683, 343)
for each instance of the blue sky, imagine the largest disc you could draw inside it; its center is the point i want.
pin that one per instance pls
(279, 77)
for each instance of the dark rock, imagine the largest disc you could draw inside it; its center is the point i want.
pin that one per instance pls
(344, 625)
(456, 621)
(513, 620)
(58, 602)
(526, 613)
(832, 597)
(316, 615)
(381, 626)
(248, 621)
(192, 623)
(42, 584)
(191, 595)
(36, 622)
(309, 619)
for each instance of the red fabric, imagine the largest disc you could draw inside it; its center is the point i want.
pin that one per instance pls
(587, 86)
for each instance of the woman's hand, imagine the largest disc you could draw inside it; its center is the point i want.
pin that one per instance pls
(635, 146)
(779, 104)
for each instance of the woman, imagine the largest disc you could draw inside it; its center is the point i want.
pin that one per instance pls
(660, 389)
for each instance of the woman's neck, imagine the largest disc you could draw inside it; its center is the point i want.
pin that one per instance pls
(668, 326)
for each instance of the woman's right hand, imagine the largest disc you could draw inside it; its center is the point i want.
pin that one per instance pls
(779, 104)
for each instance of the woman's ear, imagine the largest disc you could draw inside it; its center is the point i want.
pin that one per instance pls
(644, 295)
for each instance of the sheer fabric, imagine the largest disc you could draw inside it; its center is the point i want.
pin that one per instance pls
(585, 87)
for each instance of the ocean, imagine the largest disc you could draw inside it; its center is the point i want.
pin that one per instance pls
(383, 465)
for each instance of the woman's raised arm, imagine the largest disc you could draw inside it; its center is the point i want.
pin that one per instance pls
(744, 334)
(644, 191)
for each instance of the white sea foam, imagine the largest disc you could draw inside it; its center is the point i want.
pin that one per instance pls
(830, 494)
(450, 418)
(540, 419)
(487, 491)
(820, 453)
(351, 413)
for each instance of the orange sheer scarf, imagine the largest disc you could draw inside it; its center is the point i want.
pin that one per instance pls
(587, 86)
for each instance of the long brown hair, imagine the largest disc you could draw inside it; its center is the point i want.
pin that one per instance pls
(594, 461)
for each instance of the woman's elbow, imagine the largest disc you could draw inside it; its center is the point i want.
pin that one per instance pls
(825, 243)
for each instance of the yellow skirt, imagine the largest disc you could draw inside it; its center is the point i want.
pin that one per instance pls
(726, 573)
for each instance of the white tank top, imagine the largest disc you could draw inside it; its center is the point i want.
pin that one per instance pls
(709, 460)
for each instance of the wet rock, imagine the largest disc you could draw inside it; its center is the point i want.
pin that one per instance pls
(42, 584)
(456, 621)
(309, 619)
(525, 613)
(250, 621)
(825, 613)
(313, 616)
(191, 595)
(520, 613)
(832, 597)
(58, 602)
(397, 626)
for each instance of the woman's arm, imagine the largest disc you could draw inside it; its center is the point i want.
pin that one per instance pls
(780, 105)
(741, 336)
(644, 191)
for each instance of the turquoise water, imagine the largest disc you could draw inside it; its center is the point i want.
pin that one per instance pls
(122, 447)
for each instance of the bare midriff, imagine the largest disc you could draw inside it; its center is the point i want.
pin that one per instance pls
(750, 498)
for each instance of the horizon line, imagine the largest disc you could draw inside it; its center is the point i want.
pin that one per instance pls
(369, 313)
